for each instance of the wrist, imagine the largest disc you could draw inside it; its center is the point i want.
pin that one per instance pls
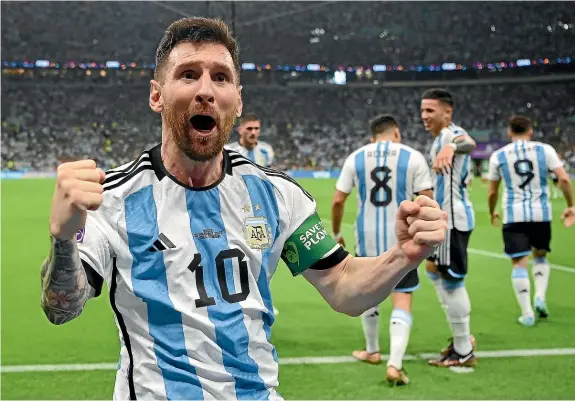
(337, 236)
(398, 259)
(452, 145)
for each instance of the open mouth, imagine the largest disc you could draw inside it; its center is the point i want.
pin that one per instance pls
(203, 123)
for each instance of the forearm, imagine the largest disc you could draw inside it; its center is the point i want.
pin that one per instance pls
(463, 145)
(65, 287)
(336, 217)
(365, 282)
(567, 189)
(492, 201)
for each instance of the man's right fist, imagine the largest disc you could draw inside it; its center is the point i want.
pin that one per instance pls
(78, 189)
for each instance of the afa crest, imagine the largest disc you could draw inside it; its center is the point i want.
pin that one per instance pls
(257, 232)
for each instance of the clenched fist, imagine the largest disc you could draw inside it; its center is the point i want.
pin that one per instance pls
(78, 189)
(420, 227)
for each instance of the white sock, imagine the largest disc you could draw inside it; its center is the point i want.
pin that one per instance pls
(436, 281)
(399, 329)
(541, 272)
(370, 323)
(522, 286)
(458, 314)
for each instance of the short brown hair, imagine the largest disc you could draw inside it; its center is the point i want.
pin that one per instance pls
(441, 95)
(519, 125)
(196, 30)
(247, 117)
(382, 123)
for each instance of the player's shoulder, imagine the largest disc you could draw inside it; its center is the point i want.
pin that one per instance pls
(265, 145)
(240, 166)
(130, 177)
(232, 145)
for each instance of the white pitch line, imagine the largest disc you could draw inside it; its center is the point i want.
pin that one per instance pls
(310, 360)
(490, 254)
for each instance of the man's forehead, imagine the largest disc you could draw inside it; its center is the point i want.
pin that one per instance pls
(253, 123)
(430, 103)
(203, 53)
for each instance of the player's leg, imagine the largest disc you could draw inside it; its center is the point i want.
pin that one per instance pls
(400, 324)
(370, 324)
(518, 248)
(540, 238)
(453, 268)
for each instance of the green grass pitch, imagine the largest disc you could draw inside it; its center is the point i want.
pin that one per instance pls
(306, 326)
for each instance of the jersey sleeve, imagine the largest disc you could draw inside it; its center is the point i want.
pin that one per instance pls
(94, 247)
(270, 156)
(421, 175)
(493, 168)
(345, 180)
(553, 160)
(307, 243)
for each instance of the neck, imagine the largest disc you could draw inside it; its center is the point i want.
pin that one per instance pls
(383, 138)
(189, 172)
(436, 134)
(519, 138)
(245, 145)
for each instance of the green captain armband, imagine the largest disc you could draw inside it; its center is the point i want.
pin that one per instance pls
(309, 245)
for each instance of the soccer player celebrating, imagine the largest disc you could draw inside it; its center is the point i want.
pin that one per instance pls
(524, 166)
(249, 144)
(385, 173)
(451, 171)
(188, 235)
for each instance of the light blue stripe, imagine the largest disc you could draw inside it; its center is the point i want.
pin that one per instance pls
(232, 335)
(410, 289)
(524, 191)
(377, 223)
(518, 254)
(432, 276)
(251, 155)
(468, 211)
(360, 171)
(265, 155)
(455, 275)
(542, 164)
(508, 185)
(262, 194)
(452, 284)
(530, 203)
(519, 272)
(440, 187)
(149, 281)
(540, 260)
(402, 167)
(402, 315)
(385, 208)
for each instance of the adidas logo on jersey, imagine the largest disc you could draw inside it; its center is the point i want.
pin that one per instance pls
(161, 244)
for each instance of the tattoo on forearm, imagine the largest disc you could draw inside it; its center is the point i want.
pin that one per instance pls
(465, 145)
(65, 287)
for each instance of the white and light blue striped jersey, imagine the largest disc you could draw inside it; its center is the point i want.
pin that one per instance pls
(262, 153)
(385, 173)
(188, 272)
(450, 190)
(524, 167)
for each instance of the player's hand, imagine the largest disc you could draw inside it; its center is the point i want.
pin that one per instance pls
(495, 219)
(420, 227)
(78, 189)
(444, 160)
(568, 216)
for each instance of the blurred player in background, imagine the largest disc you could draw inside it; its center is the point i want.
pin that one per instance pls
(249, 145)
(556, 192)
(385, 173)
(484, 171)
(451, 171)
(524, 166)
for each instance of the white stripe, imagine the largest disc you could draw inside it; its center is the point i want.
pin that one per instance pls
(109, 184)
(316, 360)
(120, 170)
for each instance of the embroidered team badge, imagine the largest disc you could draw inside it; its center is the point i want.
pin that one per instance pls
(80, 235)
(257, 232)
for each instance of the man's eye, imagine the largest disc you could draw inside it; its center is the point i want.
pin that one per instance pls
(221, 77)
(188, 75)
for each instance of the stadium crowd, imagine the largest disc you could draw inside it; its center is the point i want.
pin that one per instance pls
(329, 32)
(316, 127)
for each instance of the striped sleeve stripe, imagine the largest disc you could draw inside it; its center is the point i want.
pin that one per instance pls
(272, 173)
(125, 178)
(114, 175)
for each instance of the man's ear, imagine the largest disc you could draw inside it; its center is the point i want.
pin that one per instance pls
(156, 100)
(241, 104)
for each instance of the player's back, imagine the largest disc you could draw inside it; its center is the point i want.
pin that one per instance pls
(385, 174)
(523, 166)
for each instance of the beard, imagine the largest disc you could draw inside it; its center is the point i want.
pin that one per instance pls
(197, 148)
